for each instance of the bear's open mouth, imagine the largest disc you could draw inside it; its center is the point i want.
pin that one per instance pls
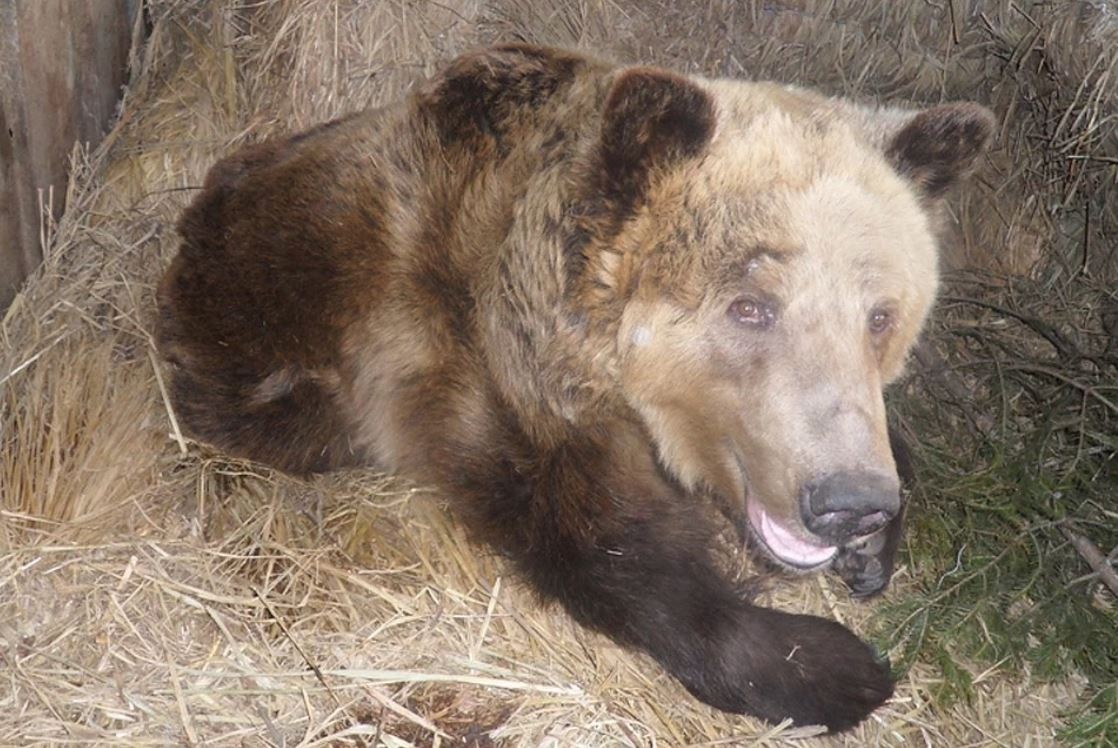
(783, 544)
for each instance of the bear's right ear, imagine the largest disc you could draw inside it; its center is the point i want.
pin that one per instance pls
(652, 119)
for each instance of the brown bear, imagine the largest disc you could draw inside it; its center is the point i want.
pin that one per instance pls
(593, 305)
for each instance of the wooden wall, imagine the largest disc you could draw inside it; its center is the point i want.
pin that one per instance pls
(62, 65)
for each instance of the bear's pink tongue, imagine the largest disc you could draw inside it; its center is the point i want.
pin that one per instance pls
(784, 544)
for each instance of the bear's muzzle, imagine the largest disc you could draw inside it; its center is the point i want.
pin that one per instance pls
(851, 504)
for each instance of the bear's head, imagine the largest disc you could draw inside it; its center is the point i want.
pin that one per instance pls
(772, 257)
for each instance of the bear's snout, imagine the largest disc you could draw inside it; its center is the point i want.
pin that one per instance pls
(850, 504)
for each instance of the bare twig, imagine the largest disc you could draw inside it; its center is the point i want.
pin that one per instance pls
(1093, 556)
(302, 653)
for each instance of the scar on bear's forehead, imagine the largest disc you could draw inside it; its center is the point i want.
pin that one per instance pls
(750, 262)
(771, 252)
(767, 255)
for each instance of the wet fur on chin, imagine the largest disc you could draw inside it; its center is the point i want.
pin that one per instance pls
(440, 289)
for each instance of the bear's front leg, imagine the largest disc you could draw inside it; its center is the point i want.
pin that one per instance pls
(626, 553)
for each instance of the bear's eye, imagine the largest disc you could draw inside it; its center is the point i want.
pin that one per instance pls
(881, 321)
(749, 311)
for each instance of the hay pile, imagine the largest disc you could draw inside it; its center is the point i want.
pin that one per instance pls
(154, 592)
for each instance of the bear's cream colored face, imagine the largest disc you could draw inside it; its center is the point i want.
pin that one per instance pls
(801, 269)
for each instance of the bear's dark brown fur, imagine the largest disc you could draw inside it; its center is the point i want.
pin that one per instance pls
(589, 303)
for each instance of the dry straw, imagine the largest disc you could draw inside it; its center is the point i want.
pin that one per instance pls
(153, 592)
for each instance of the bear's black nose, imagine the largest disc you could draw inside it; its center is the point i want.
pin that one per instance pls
(850, 504)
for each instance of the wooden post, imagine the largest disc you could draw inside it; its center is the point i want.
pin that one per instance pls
(62, 65)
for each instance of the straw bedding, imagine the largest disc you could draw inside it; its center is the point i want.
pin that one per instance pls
(153, 591)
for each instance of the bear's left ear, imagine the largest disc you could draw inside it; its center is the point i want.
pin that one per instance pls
(939, 146)
(652, 119)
